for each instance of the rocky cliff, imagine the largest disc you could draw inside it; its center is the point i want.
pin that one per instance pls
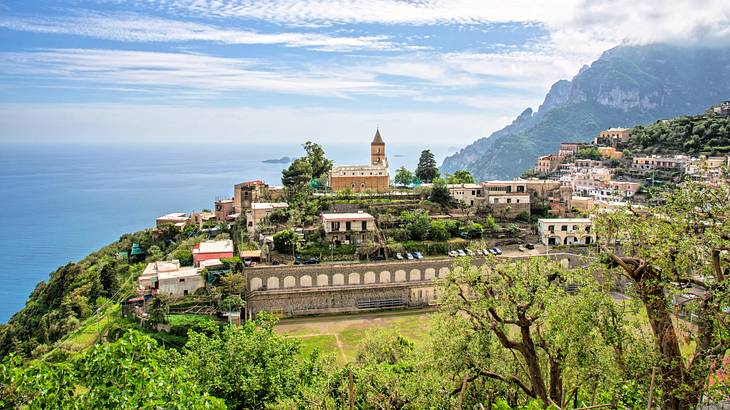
(627, 85)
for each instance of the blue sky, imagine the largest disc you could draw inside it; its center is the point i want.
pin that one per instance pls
(268, 71)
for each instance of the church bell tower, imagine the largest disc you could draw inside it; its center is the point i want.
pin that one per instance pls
(377, 150)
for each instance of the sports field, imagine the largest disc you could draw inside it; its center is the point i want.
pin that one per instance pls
(342, 334)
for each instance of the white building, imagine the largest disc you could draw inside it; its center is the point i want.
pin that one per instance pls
(171, 279)
(178, 219)
(566, 231)
(352, 227)
(469, 194)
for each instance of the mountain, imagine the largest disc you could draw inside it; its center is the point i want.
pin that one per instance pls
(627, 85)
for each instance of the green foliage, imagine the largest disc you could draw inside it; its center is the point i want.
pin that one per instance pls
(315, 156)
(683, 135)
(248, 366)
(132, 372)
(426, 171)
(284, 241)
(185, 256)
(298, 174)
(439, 192)
(417, 223)
(438, 231)
(460, 177)
(589, 152)
(403, 176)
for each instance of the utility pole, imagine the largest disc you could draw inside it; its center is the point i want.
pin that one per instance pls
(351, 386)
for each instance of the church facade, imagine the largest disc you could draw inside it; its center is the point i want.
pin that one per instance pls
(361, 178)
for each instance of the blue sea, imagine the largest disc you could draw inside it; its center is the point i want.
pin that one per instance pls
(58, 203)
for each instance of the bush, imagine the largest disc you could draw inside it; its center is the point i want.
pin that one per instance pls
(438, 231)
(284, 241)
(185, 256)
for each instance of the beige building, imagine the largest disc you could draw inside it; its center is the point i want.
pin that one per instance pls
(224, 210)
(170, 279)
(568, 149)
(360, 178)
(259, 211)
(178, 219)
(613, 137)
(546, 164)
(658, 162)
(469, 194)
(246, 193)
(508, 205)
(566, 231)
(347, 228)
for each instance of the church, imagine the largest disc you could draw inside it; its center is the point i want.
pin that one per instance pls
(360, 178)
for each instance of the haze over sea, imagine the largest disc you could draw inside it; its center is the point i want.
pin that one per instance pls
(58, 203)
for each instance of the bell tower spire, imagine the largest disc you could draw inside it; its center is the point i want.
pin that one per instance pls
(377, 150)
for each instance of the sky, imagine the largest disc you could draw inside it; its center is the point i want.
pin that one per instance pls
(281, 71)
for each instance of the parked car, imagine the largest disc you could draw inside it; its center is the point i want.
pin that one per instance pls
(453, 253)
(409, 256)
(492, 251)
(530, 246)
(461, 252)
(311, 261)
(521, 248)
(378, 258)
(297, 261)
(498, 251)
(399, 256)
(417, 255)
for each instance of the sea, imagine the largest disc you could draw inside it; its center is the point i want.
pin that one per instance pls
(60, 202)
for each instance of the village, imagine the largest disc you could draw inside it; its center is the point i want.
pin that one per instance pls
(354, 239)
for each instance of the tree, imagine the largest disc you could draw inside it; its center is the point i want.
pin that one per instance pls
(661, 250)
(315, 156)
(403, 176)
(427, 170)
(417, 223)
(249, 366)
(439, 231)
(108, 276)
(185, 256)
(460, 177)
(590, 152)
(298, 174)
(515, 327)
(284, 241)
(440, 192)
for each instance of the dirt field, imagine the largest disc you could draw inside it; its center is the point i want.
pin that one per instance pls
(341, 334)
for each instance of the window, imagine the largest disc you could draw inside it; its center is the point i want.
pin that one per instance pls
(185, 292)
(335, 226)
(364, 226)
(509, 200)
(348, 226)
(182, 280)
(564, 228)
(520, 188)
(362, 185)
(575, 227)
(473, 192)
(551, 228)
(588, 229)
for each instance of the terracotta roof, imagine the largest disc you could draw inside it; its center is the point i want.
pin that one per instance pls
(377, 140)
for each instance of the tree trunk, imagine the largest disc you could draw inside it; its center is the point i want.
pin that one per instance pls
(533, 365)
(674, 381)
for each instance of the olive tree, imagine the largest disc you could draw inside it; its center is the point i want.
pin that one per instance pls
(681, 242)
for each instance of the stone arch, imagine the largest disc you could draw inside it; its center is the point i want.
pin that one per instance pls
(353, 278)
(588, 240)
(305, 281)
(369, 277)
(338, 279)
(385, 276)
(429, 274)
(415, 275)
(290, 282)
(322, 280)
(400, 275)
(443, 272)
(569, 240)
(256, 283)
(272, 283)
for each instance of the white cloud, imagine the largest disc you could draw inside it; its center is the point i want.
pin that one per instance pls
(169, 73)
(85, 123)
(140, 28)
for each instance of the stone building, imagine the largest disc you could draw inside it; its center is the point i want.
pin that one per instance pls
(360, 178)
(246, 193)
(349, 228)
(177, 219)
(613, 137)
(566, 231)
(546, 164)
(568, 149)
(469, 194)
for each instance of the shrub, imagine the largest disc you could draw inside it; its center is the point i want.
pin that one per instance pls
(438, 231)
(284, 241)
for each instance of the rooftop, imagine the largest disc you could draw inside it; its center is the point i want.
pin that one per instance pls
(564, 220)
(349, 216)
(174, 216)
(214, 247)
(269, 205)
